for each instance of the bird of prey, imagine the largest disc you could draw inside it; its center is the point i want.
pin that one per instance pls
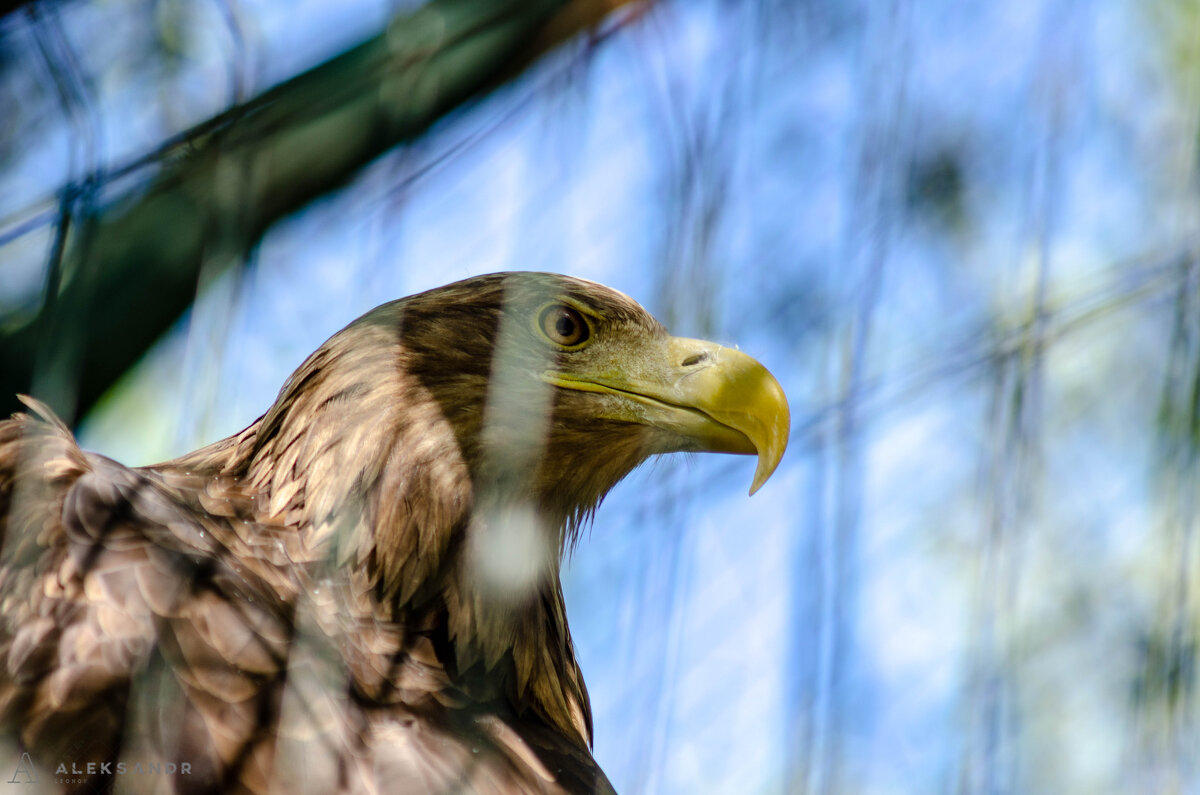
(360, 591)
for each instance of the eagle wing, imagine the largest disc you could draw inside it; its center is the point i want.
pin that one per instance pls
(147, 619)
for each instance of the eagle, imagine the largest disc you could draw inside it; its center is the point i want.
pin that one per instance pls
(359, 592)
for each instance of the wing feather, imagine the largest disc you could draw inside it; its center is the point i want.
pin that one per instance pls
(145, 617)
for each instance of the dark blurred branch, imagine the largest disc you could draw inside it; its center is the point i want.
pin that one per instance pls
(132, 267)
(9, 6)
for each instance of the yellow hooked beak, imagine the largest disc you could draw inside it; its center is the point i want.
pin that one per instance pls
(712, 398)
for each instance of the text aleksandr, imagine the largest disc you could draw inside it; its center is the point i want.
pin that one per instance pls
(122, 768)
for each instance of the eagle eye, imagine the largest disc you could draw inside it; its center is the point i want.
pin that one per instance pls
(563, 326)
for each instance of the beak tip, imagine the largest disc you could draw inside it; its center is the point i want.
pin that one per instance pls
(766, 467)
(772, 445)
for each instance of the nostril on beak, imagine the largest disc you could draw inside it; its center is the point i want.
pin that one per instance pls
(695, 358)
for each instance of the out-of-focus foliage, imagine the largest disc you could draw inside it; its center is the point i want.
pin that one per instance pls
(962, 235)
(123, 270)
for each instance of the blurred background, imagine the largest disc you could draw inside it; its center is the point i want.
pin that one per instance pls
(962, 235)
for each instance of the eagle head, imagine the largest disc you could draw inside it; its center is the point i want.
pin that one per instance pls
(557, 387)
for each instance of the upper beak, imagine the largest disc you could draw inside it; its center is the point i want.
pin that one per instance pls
(714, 399)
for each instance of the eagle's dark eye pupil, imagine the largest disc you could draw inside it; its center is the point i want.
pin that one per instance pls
(565, 326)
